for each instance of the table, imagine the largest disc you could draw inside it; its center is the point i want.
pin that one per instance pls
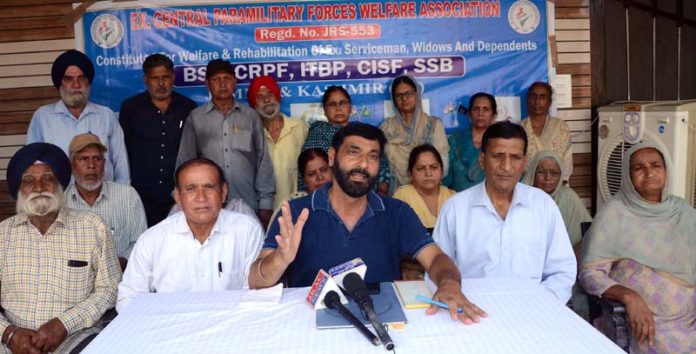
(522, 318)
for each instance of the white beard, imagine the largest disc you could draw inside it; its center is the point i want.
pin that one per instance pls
(74, 98)
(90, 187)
(268, 111)
(40, 204)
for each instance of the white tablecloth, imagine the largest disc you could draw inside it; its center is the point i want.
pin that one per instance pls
(522, 318)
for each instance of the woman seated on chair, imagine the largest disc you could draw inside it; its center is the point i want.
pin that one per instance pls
(425, 195)
(545, 174)
(641, 251)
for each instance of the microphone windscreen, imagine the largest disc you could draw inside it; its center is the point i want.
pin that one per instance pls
(354, 285)
(331, 299)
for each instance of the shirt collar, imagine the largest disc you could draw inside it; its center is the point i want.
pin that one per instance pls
(62, 108)
(182, 228)
(21, 219)
(209, 106)
(481, 198)
(320, 200)
(75, 194)
(289, 124)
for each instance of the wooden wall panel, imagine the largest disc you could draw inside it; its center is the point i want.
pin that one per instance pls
(573, 58)
(32, 34)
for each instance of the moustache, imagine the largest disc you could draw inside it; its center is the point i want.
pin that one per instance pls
(360, 171)
(36, 195)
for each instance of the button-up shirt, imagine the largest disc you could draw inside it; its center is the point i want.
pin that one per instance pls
(531, 242)
(284, 155)
(152, 139)
(120, 208)
(167, 257)
(70, 273)
(386, 232)
(54, 124)
(235, 141)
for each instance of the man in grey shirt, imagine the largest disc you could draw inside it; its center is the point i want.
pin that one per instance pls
(231, 134)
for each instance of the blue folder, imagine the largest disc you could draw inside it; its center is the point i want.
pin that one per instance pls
(386, 304)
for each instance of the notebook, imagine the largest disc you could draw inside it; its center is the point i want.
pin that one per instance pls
(408, 289)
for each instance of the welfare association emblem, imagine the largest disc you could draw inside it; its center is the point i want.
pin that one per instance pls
(107, 31)
(524, 17)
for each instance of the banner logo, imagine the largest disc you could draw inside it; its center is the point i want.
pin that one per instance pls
(524, 17)
(107, 31)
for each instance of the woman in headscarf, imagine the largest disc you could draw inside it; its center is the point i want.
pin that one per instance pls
(337, 109)
(545, 173)
(465, 145)
(641, 251)
(409, 128)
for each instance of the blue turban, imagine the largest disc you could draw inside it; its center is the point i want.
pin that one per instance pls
(47, 153)
(68, 58)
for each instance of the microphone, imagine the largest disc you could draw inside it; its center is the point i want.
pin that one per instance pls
(323, 283)
(333, 301)
(356, 288)
(353, 266)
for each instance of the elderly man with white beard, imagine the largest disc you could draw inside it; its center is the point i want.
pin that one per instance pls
(58, 267)
(117, 204)
(284, 136)
(57, 123)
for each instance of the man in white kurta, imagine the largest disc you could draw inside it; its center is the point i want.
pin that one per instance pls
(503, 228)
(202, 248)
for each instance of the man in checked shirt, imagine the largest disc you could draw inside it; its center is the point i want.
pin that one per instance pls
(58, 267)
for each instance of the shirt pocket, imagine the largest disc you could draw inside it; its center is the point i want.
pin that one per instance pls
(240, 139)
(74, 280)
(530, 261)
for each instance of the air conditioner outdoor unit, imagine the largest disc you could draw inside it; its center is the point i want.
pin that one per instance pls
(670, 124)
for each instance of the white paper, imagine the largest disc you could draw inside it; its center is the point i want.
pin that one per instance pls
(564, 91)
(262, 297)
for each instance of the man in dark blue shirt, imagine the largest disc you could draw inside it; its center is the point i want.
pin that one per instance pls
(347, 219)
(152, 122)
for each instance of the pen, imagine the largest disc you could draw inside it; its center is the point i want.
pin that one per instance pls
(219, 269)
(435, 302)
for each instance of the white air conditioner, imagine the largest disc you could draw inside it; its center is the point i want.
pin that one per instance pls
(670, 124)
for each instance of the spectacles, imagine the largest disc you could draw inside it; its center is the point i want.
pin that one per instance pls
(552, 173)
(404, 95)
(334, 105)
(86, 159)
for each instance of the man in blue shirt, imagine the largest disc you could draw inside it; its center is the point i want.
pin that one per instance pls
(504, 228)
(57, 123)
(347, 219)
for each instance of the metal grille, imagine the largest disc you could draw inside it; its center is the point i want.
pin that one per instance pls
(614, 167)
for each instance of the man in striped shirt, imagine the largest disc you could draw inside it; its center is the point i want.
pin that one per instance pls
(118, 205)
(58, 267)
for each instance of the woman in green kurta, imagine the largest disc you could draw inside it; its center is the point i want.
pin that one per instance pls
(465, 144)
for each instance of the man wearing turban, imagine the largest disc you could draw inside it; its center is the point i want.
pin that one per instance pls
(59, 271)
(284, 136)
(57, 123)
